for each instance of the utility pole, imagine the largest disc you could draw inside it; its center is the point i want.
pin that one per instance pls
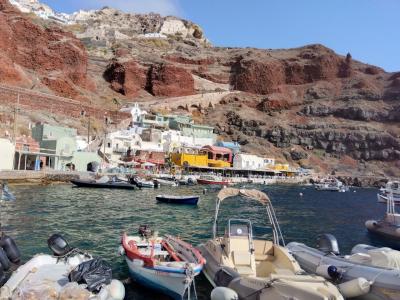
(88, 130)
(16, 109)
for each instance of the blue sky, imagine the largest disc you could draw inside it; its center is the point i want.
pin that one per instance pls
(368, 29)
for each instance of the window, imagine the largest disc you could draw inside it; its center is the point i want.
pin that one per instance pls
(109, 145)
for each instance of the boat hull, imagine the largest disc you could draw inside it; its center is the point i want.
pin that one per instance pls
(257, 288)
(188, 201)
(205, 181)
(169, 283)
(111, 185)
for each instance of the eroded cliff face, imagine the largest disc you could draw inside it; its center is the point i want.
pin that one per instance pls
(57, 58)
(308, 105)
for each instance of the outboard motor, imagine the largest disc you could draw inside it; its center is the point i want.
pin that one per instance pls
(145, 231)
(58, 245)
(10, 248)
(327, 243)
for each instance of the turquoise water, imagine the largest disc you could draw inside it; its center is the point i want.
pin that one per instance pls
(93, 219)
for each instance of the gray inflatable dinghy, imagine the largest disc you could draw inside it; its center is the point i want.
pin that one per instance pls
(368, 273)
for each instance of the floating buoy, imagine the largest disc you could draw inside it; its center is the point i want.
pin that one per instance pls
(354, 191)
(223, 293)
(301, 194)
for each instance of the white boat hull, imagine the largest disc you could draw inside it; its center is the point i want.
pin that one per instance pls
(45, 274)
(173, 284)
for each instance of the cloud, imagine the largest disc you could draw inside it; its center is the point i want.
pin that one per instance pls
(163, 7)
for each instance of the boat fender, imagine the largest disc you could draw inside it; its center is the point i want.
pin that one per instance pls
(223, 293)
(113, 291)
(371, 224)
(355, 288)
(121, 250)
(2, 277)
(10, 248)
(4, 261)
(328, 272)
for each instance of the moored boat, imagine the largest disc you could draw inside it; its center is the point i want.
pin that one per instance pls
(258, 269)
(389, 227)
(6, 195)
(211, 179)
(104, 182)
(178, 199)
(166, 264)
(391, 188)
(67, 274)
(330, 184)
(367, 273)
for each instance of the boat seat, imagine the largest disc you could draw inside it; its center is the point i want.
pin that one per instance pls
(242, 261)
(263, 250)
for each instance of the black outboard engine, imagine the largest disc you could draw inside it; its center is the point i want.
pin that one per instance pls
(10, 248)
(58, 245)
(145, 231)
(327, 243)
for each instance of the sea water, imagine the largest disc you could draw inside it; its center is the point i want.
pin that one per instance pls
(94, 219)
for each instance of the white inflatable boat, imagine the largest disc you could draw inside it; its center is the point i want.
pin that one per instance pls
(49, 277)
(368, 273)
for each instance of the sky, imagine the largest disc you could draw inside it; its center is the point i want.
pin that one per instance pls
(368, 29)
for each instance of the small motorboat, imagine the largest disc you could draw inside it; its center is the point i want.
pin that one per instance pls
(104, 182)
(167, 181)
(211, 179)
(330, 184)
(6, 195)
(258, 269)
(389, 227)
(142, 183)
(178, 199)
(187, 180)
(391, 188)
(67, 274)
(166, 264)
(368, 273)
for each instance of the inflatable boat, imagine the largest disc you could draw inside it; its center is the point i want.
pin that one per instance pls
(368, 273)
(104, 182)
(67, 274)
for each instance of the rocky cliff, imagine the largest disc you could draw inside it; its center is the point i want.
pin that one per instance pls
(309, 105)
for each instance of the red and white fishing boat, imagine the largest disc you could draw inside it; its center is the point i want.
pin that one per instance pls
(211, 179)
(166, 264)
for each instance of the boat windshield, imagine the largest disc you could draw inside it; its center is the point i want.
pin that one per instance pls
(239, 228)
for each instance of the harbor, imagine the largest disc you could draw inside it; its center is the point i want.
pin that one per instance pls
(93, 219)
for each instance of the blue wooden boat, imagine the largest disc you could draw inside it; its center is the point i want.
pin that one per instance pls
(192, 200)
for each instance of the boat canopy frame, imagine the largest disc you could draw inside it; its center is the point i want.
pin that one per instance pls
(255, 195)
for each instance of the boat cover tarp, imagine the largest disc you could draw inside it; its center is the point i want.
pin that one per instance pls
(385, 257)
(94, 273)
(253, 194)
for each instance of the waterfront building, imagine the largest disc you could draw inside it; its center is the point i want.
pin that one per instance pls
(248, 162)
(118, 143)
(58, 149)
(189, 157)
(218, 157)
(174, 141)
(7, 151)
